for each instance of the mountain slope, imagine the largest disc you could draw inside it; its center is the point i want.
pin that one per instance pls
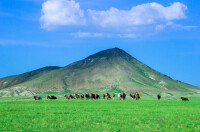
(111, 70)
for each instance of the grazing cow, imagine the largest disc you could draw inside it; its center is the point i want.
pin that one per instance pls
(184, 99)
(137, 96)
(119, 95)
(87, 96)
(77, 96)
(71, 96)
(82, 97)
(97, 96)
(51, 97)
(132, 96)
(113, 95)
(92, 96)
(108, 96)
(159, 97)
(37, 97)
(124, 96)
(67, 97)
(104, 96)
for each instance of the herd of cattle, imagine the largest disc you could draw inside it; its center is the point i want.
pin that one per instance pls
(97, 96)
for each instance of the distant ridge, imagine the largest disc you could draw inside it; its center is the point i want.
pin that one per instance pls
(17, 79)
(111, 70)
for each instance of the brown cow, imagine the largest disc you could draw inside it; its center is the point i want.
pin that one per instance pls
(113, 95)
(108, 96)
(92, 96)
(137, 96)
(71, 96)
(184, 99)
(97, 96)
(67, 97)
(82, 97)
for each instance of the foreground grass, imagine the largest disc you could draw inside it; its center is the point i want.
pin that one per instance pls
(99, 115)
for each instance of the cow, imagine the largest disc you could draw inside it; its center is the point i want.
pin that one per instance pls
(159, 97)
(51, 97)
(71, 96)
(184, 99)
(97, 96)
(67, 97)
(122, 96)
(104, 96)
(37, 97)
(113, 95)
(108, 96)
(132, 96)
(82, 97)
(137, 96)
(77, 96)
(92, 96)
(87, 96)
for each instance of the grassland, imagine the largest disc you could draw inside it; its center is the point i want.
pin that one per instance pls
(99, 115)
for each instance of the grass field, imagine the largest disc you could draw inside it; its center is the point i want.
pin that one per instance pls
(99, 115)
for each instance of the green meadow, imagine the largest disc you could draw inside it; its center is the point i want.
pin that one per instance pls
(99, 115)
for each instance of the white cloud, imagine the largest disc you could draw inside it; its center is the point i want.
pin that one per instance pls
(61, 13)
(174, 26)
(190, 27)
(139, 20)
(82, 34)
(129, 35)
(98, 34)
(145, 14)
(87, 34)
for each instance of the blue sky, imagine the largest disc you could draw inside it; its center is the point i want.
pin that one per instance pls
(163, 34)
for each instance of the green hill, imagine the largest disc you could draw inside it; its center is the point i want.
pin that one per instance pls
(111, 70)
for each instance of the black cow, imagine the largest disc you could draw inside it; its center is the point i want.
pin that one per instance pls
(87, 96)
(37, 97)
(104, 96)
(159, 97)
(51, 97)
(132, 96)
(122, 96)
(77, 96)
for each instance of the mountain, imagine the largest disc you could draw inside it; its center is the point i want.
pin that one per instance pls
(112, 70)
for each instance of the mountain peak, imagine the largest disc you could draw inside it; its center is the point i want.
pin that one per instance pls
(112, 70)
(113, 52)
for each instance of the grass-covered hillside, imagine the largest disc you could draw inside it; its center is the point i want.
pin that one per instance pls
(111, 70)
